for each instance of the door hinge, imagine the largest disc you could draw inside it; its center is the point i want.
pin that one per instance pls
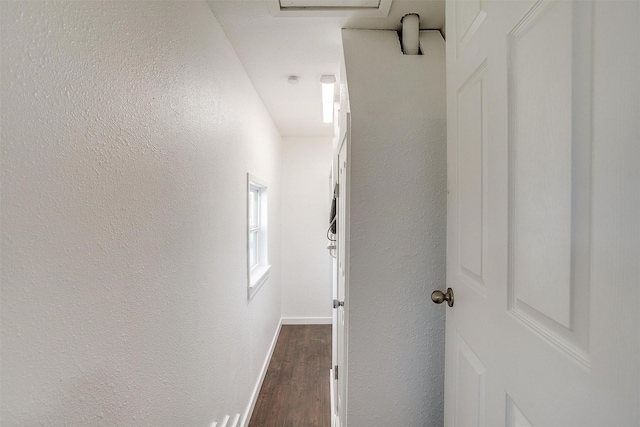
(335, 372)
(337, 192)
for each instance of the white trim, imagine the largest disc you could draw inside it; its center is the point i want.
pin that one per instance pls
(307, 320)
(346, 193)
(257, 277)
(259, 182)
(259, 274)
(382, 11)
(333, 397)
(263, 372)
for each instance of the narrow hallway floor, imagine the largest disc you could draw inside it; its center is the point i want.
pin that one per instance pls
(295, 391)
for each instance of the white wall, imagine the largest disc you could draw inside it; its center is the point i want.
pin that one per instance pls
(127, 132)
(397, 229)
(306, 198)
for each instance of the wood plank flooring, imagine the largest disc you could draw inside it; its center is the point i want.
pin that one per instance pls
(295, 391)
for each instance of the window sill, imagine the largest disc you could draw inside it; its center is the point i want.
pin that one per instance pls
(257, 276)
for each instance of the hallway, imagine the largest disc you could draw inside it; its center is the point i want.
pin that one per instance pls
(295, 391)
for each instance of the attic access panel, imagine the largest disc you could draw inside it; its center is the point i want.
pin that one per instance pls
(329, 8)
(329, 3)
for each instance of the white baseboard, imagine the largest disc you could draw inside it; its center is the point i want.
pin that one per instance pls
(263, 372)
(332, 400)
(307, 320)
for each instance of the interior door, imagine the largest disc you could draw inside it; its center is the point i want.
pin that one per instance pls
(340, 371)
(543, 213)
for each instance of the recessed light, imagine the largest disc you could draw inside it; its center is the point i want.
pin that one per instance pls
(293, 80)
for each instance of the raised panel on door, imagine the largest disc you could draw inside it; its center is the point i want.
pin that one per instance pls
(471, 138)
(515, 416)
(470, 386)
(470, 15)
(550, 172)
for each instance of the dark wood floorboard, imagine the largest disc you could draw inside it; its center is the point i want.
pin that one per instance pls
(295, 391)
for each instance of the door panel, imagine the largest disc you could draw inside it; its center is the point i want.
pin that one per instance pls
(543, 100)
(342, 294)
(515, 417)
(469, 16)
(540, 140)
(549, 213)
(470, 387)
(472, 114)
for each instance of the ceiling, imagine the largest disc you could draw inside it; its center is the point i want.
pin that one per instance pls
(273, 45)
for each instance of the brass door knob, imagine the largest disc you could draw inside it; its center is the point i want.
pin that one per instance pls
(439, 297)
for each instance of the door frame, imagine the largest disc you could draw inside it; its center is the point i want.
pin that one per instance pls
(343, 193)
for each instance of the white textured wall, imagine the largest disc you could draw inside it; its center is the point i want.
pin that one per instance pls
(398, 229)
(306, 264)
(127, 132)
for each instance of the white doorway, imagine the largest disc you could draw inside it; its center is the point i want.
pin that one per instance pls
(340, 305)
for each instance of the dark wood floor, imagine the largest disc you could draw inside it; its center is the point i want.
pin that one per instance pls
(295, 391)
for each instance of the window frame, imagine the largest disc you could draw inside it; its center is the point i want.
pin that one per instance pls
(255, 229)
(258, 271)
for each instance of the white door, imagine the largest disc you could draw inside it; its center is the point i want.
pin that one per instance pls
(543, 214)
(340, 371)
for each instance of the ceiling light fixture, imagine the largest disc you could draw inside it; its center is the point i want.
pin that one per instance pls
(293, 80)
(328, 81)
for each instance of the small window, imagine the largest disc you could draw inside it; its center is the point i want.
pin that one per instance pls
(254, 225)
(257, 235)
